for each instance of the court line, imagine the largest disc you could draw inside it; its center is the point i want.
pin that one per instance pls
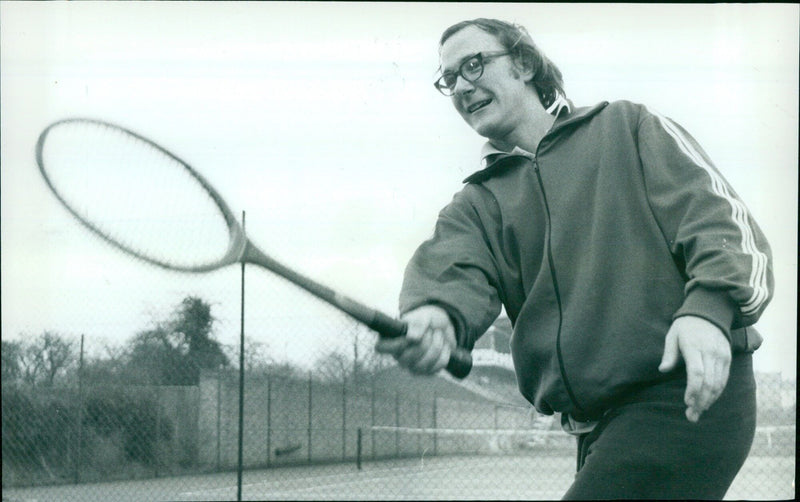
(309, 478)
(478, 432)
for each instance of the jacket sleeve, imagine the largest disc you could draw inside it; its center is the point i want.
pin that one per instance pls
(455, 270)
(725, 257)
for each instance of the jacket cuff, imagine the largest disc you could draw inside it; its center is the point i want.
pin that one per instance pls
(713, 306)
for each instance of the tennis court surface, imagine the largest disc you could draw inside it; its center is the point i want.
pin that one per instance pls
(456, 477)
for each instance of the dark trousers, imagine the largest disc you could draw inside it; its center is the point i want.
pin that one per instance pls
(645, 448)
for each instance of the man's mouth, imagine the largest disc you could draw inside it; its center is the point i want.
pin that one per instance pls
(478, 105)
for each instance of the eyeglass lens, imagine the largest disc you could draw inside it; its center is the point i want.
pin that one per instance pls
(471, 70)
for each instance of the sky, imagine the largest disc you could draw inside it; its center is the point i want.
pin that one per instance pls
(321, 123)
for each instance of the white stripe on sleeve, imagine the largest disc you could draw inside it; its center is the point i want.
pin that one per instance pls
(758, 274)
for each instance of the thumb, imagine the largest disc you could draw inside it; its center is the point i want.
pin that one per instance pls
(415, 330)
(670, 357)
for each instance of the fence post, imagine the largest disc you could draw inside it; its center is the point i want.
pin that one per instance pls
(358, 450)
(419, 421)
(344, 417)
(240, 463)
(158, 429)
(219, 416)
(269, 420)
(435, 425)
(397, 423)
(372, 417)
(79, 425)
(309, 416)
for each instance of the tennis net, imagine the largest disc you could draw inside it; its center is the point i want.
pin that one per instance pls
(380, 442)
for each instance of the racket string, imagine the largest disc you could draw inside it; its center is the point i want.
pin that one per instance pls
(134, 194)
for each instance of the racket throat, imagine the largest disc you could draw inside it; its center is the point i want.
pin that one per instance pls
(460, 362)
(362, 313)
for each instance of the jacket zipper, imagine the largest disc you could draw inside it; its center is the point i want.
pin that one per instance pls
(561, 367)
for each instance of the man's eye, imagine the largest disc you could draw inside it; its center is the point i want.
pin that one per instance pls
(472, 65)
(449, 79)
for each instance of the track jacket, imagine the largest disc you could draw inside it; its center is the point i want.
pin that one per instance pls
(615, 226)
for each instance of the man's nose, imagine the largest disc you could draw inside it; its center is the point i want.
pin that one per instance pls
(462, 86)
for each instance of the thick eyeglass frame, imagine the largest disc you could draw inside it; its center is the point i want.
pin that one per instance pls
(469, 75)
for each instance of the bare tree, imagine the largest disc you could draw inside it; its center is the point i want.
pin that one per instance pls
(333, 367)
(108, 365)
(357, 365)
(57, 354)
(30, 363)
(255, 355)
(12, 353)
(43, 358)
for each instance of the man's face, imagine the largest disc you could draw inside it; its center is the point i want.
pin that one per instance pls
(494, 104)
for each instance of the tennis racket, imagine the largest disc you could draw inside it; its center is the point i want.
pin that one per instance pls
(147, 202)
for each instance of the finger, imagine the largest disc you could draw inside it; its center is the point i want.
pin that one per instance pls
(721, 373)
(427, 362)
(712, 383)
(391, 345)
(444, 358)
(706, 395)
(722, 380)
(416, 350)
(716, 378)
(411, 355)
(670, 357)
(726, 372)
(695, 379)
(416, 331)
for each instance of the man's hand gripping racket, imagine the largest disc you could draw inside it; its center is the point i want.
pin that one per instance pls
(428, 344)
(147, 202)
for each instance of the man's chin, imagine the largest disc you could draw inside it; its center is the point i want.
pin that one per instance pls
(483, 124)
(489, 131)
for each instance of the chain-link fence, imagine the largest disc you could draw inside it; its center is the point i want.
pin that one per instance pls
(157, 417)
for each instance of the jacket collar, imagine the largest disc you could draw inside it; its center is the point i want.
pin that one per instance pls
(566, 115)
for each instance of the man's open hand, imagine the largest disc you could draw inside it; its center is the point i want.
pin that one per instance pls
(706, 353)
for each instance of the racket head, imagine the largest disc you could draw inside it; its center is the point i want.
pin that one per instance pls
(138, 196)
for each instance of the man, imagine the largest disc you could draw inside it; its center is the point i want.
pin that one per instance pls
(630, 269)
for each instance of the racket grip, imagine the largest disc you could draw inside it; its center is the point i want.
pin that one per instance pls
(460, 363)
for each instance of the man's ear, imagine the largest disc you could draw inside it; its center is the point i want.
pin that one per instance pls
(525, 69)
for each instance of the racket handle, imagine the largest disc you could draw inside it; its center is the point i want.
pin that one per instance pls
(460, 363)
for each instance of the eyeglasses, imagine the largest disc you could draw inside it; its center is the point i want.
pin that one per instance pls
(470, 70)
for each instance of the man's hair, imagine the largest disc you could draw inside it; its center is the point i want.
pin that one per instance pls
(547, 80)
